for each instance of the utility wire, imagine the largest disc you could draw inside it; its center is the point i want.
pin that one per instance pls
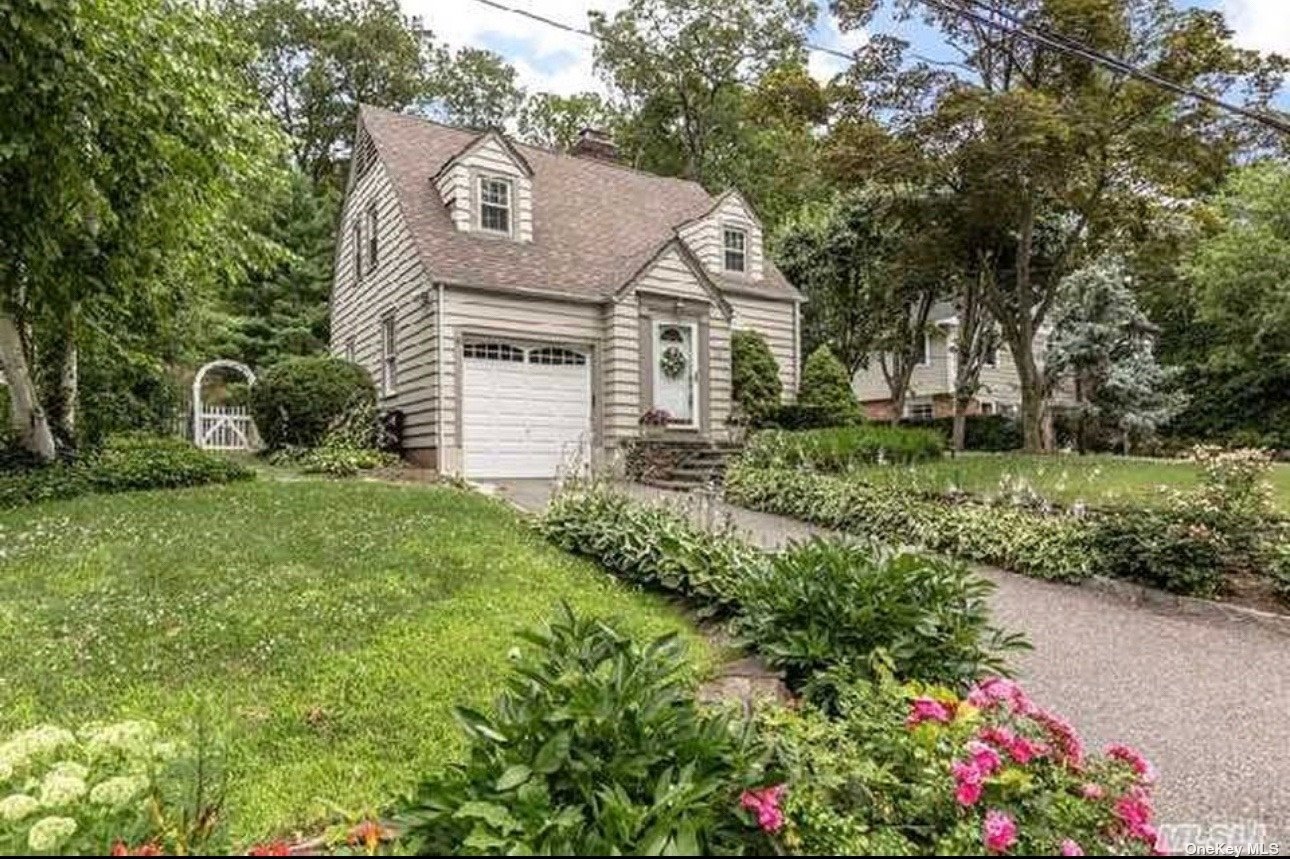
(1011, 24)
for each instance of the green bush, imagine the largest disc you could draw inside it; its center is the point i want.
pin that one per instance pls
(995, 433)
(828, 604)
(826, 387)
(842, 448)
(125, 462)
(795, 416)
(1157, 548)
(650, 546)
(1050, 547)
(755, 385)
(296, 402)
(596, 748)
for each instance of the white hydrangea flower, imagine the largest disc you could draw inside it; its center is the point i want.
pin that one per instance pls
(132, 738)
(35, 743)
(119, 791)
(58, 790)
(17, 806)
(71, 769)
(50, 833)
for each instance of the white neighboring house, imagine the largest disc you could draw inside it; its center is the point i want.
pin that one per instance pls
(931, 385)
(524, 307)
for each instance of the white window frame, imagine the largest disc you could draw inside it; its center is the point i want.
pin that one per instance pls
(509, 208)
(928, 406)
(373, 239)
(388, 333)
(728, 230)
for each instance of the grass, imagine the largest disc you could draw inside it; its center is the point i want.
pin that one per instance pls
(328, 627)
(1060, 478)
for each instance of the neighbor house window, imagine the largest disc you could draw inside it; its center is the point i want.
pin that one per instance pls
(494, 205)
(987, 408)
(358, 250)
(371, 238)
(735, 242)
(919, 411)
(389, 355)
(922, 351)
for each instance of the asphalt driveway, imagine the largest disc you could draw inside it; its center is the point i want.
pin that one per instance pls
(1208, 699)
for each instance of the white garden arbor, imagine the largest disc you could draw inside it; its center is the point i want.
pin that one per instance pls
(223, 427)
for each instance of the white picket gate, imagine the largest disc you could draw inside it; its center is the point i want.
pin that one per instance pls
(227, 428)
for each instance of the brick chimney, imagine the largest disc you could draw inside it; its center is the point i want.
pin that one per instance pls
(595, 143)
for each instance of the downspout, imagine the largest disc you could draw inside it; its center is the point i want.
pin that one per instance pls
(438, 349)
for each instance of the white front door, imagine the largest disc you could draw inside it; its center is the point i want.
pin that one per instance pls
(675, 372)
(526, 410)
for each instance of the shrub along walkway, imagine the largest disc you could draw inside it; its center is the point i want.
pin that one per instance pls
(1206, 698)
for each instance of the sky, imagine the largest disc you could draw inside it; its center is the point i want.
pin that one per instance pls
(552, 60)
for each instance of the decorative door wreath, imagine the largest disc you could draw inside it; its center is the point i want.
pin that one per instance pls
(672, 362)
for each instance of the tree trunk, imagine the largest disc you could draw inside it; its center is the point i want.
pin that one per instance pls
(958, 437)
(26, 412)
(1032, 393)
(69, 384)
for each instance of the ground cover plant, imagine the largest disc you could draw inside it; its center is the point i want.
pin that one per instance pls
(843, 448)
(328, 627)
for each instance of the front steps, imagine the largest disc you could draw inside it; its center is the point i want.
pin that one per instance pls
(679, 464)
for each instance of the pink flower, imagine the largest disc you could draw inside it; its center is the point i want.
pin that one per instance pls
(968, 783)
(1070, 847)
(1069, 748)
(998, 690)
(927, 710)
(999, 832)
(983, 757)
(1146, 772)
(1092, 791)
(764, 802)
(1021, 749)
(1134, 812)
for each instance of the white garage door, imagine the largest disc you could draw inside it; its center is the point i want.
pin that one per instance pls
(526, 410)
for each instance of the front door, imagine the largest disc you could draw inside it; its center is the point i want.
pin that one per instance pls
(675, 371)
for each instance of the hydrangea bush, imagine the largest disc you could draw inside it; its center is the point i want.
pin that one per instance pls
(80, 792)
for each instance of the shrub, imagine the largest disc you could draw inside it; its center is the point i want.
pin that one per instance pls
(1160, 549)
(1050, 547)
(827, 387)
(756, 387)
(650, 545)
(995, 433)
(795, 416)
(825, 604)
(127, 461)
(596, 747)
(842, 448)
(919, 771)
(348, 447)
(297, 401)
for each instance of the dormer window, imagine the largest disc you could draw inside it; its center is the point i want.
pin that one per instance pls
(495, 205)
(735, 242)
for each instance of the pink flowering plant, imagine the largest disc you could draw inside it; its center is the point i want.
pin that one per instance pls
(922, 770)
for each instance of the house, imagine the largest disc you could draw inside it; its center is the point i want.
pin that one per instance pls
(931, 384)
(525, 308)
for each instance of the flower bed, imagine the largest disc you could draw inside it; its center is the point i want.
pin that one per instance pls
(842, 448)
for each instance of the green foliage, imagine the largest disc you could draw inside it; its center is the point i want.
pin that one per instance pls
(1160, 549)
(651, 546)
(596, 747)
(1050, 547)
(826, 386)
(756, 388)
(125, 462)
(827, 605)
(473, 87)
(296, 402)
(555, 121)
(842, 448)
(995, 433)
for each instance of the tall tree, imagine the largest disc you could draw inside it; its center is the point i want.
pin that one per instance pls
(1056, 152)
(473, 87)
(318, 61)
(682, 68)
(975, 340)
(554, 121)
(133, 145)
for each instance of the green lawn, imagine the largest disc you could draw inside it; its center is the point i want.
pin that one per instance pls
(1062, 478)
(329, 626)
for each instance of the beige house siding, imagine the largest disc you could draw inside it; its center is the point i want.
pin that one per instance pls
(511, 317)
(705, 238)
(459, 187)
(777, 321)
(399, 285)
(621, 369)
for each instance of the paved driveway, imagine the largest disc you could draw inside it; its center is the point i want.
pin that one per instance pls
(1207, 699)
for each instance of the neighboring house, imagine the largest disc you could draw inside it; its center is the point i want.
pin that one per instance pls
(931, 385)
(524, 308)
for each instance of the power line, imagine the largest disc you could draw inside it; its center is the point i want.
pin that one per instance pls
(1011, 24)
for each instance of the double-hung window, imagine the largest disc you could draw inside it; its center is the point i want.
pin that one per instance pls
(389, 355)
(735, 243)
(494, 205)
(358, 249)
(371, 238)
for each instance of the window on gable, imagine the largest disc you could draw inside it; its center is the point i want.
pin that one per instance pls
(735, 242)
(358, 250)
(371, 237)
(389, 355)
(494, 205)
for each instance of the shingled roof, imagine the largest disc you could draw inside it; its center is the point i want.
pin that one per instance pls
(595, 223)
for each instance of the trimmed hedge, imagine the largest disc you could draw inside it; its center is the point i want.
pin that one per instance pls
(125, 462)
(826, 387)
(994, 433)
(754, 376)
(297, 401)
(843, 448)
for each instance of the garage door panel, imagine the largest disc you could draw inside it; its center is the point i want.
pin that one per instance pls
(522, 419)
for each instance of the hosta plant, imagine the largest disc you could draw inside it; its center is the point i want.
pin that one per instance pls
(596, 747)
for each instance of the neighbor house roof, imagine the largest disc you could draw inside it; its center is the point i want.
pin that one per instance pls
(595, 223)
